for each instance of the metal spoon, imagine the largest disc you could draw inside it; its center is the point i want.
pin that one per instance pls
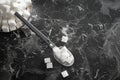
(61, 54)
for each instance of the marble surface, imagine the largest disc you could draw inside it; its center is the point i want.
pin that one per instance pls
(93, 30)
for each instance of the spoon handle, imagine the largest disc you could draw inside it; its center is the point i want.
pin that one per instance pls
(34, 29)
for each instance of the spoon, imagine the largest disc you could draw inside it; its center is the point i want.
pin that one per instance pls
(61, 54)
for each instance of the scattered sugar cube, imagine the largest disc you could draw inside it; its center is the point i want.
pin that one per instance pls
(65, 74)
(64, 39)
(47, 60)
(80, 8)
(49, 65)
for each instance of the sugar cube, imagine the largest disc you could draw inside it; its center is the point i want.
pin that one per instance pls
(64, 39)
(65, 74)
(47, 60)
(49, 65)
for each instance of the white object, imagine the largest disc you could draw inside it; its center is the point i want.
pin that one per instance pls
(19, 4)
(5, 2)
(7, 10)
(49, 65)
(47, 60)
(80, 8)
(64, 74)
(4, 26)
(26, 13)
(12, 24)
(64, 39)
(63, 56)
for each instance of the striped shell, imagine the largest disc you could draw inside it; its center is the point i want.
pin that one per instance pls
(9, 22)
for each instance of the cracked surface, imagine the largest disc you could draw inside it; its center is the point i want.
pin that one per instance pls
(93, 38)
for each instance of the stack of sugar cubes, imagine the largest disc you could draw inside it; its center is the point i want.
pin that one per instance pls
(48, 63)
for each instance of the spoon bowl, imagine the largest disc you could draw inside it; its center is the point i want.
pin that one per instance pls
(63, 56)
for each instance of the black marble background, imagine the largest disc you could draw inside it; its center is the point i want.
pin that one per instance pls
(93, 28)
